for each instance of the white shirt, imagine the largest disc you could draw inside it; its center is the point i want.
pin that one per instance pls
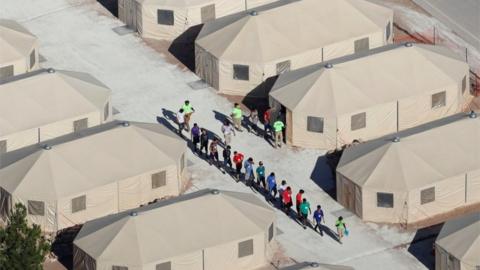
(282, 188)
(227, 130)
(180, 117)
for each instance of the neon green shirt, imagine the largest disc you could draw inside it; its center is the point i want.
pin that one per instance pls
(237, 113)
(187, 108)
(278, 126)
(340, 224)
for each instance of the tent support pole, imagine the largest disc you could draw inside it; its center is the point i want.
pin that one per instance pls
(398, 117)
(466, 188)
(322, 54)
(203, 259)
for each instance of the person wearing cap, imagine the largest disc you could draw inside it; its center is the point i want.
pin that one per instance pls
(188, 110)
(237, 116)
(278, 128)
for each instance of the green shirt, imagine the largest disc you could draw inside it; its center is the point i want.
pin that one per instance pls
(305, 207)
(261, 171)
(278, 126)
(237, 113)
(187, 108)
(340, 224)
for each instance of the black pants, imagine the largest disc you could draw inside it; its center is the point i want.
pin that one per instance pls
(261, 180)
(214, 156)
(319, 227)
(238, 169)
(204, 146)
(195, 141)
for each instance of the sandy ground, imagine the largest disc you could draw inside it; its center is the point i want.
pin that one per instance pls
(77, 35)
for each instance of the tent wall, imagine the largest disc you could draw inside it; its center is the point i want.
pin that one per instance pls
(349, 195)
(302, 137)
(397, 214)
(22, 65)
(129, 12)
(5, 203)
(206, 67)
(445, 261)
(473, 187)
(48, 221)
(82, 261)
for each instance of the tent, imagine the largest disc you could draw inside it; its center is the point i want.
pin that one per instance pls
(19, 49)
(237, 53)
(371, 94)
(316, 266)
(168, 19)
(91, 173)
(44, 104)
(207, 229)
(458, 245)
(413, 176)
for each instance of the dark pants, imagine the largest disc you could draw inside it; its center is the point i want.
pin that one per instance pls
(238, 169)
(227, 162)
(304, 218)
(261, 180)
(274, 191)
(195, 141)
(286, 207)
(181, 126)
(267, 130)
(319, 227)
(204, 146)
(214, 156)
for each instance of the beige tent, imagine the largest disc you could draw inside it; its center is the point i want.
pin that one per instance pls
(458, 245)
(44, 104)
(168, 19)
(18, 49)
(208, 229)
(316, 266)
(92, 173)
(237, 53)
(414, 175)
(371, 94)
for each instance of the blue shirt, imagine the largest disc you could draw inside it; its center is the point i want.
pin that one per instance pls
(318, 215)
(248, 168)
(272, 183)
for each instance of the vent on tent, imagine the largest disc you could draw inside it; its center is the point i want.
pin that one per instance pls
(328, 65)
(408, 44)
(51, 70)
(396, 139)
(472, 115)
(215, 191)
(253, 13)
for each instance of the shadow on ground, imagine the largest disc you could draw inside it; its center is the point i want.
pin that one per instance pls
(110, 5)
(183, 47)
(323, 177)
(422, 246)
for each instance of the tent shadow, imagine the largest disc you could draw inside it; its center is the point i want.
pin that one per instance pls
(62, 246)
(423, 244)
(183, 47)
(258, 97)
(323, 177)
(110, 5)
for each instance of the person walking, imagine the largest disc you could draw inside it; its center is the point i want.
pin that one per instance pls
(266, 122)
(318, 217)
(180, 121)
(249, 176)
(281, 189)
(253, 119)
(204, 141)
(304, 212)
(341, 227)
(272, 185)
(227, 161)
(237, 116)
(195, 137)
(238, 160)
(214, 152)
(188, 110)
(261, 175)
(227, 131)
(298, 201)
(287, 200)
(278, 128)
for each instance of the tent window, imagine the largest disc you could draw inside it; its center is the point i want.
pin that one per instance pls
(315, 124)
(358, 121)
(159, 179)
(6, 71)
(439, 100)
(32, 59)
(115, 267)
(36, 208)
(240, 72)
(270, 233)
(80, 124)
(384, 200)
(79, 203)
(208, 13)
(427, 195)
(245, 248)
(283, 67)
(165, 17)
(362, 45)
(464, 84)
(106, 111)
(3, 146)
(182, 162)
(164, 266)
(388, 31)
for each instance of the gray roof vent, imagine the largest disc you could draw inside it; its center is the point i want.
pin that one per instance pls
(253, 13)
(133, 214)
(408, 44)
(472, 114)
(396, 139)
(46, 147)
(328, 65)
(51, 70)
(125, 124)
(215, 191)
(314, 264)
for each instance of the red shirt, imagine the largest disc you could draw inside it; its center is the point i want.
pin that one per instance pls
(287, 196)
(299, 198)
(266, 116)
(238, 158)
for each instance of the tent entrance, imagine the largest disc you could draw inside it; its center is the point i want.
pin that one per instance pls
(131, 14)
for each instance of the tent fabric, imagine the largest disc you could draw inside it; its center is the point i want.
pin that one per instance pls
(439, 159)
(391, 86)
(302, 32)
(142, 15)
(181, 232)
(460, 238)
(117, 177)
(18, 46)
(316, 266)
(44, 104)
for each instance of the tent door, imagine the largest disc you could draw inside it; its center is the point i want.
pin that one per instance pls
(348, 196)
(131, 12)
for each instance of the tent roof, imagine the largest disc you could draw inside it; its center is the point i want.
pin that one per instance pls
(38, 98)
(178, 3)
(461, 238)
(424, 155)
(87, 159)
(289, 27)
(381, 75)
(16, 42)
(175, 227)
(316, 266)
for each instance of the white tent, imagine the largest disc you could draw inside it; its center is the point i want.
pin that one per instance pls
(237, 53)
(458, 245)
(208, 229)
(92, 173)
(371, 94)
(413, 177)
(18, 49)
(44, 104)
(168, 19)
